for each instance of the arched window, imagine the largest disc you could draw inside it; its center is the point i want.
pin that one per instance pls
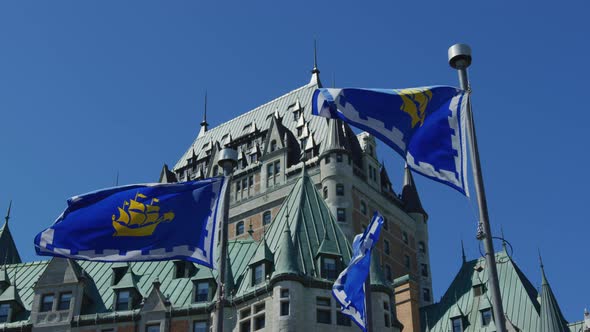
(273, 145)
(325, 192)
(266, 217)
(240, 228)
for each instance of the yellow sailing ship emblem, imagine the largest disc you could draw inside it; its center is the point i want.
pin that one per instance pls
(139, 219)
(415, 102)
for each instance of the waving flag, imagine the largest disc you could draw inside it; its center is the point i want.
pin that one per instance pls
(426, 126)
(349, 288)
(139, 223)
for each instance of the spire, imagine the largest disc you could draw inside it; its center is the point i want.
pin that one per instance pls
(551, 316)
(410, 195)
(287, 260)
(463, 253)
(7, 245)
(8, 213)
(335, 139)
(204, 124)
(315, 72)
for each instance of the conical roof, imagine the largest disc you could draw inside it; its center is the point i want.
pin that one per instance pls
(286, 260)
(263, 254)
(8, 252)
(335, 139)
(551, 317)
(167, 176)
(410, 195)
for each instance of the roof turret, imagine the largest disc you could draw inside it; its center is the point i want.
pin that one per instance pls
(286, 262)
(551, 317)
(410, 195)
(7, 245)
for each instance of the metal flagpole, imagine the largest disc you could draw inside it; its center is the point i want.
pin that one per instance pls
(227, 160)
(460, 59)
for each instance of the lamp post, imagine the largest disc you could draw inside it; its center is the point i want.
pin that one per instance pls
(228, 159)
(460, 59)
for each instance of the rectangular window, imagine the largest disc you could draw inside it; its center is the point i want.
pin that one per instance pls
(339, 157)
(244, 184)
(64, 301)
(385, 223)
(4, 312)
(386, 319)
(245, 313)
(478, 290)
(152, 328)
(245, 326)
(238, 186)
(46, 303)
(277, 167)
(259, 307)
(285, 308)
(421, 247)
(327, 159)
(424, 270)
(342, 319)
(339, 189)
(202, 292)
(407, 261)
(123, 299)
(250, 180)
(200, 326)
(284, 293)
(341, 214)
(457, 324)
(324, 316)
(386, 247)
(259, 322)
(253, 158)
(269, 170)
(258, 274)
(323, 301)
(329, 268)
(405, 237)
(388, 274)
(426, 294)
(486, 317)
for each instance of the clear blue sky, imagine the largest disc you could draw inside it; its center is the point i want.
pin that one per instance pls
(92, 88)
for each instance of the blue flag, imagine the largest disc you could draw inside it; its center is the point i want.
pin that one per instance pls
(141, 222)
(426, 126)
(349, 288)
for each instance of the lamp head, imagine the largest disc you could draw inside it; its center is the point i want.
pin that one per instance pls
(460, 56)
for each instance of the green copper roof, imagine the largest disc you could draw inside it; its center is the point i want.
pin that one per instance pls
(8, 252)
(286, 263)
(328, 246)
(519, 298)
(551, 317)
(262, 254)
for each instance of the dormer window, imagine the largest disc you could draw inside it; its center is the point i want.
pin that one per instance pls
(273, 145)
(457, 324)
(202, 293)
(118, 273)
(329, 269)
(486, 317)
(124, 300)
(4, 312)
(183, 269)
(64, 301)
(258, 274)
(46, 303)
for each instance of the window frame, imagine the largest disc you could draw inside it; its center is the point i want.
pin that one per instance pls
(43, 306)
(118, 303)
(266, 217)
(8, 309)
(341, 214)
(339, 189)
(327, 272)
(240, 228)
(61, 301)
(199, 293)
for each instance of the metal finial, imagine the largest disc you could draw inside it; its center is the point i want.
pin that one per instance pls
(8, 212)
(204, 122)
(503, 239)
(315, 56)
(463, 252)
(117, 179)
(540, 258)
(333, 80)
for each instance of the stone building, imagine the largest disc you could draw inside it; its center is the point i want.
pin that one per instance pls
(303, 187)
